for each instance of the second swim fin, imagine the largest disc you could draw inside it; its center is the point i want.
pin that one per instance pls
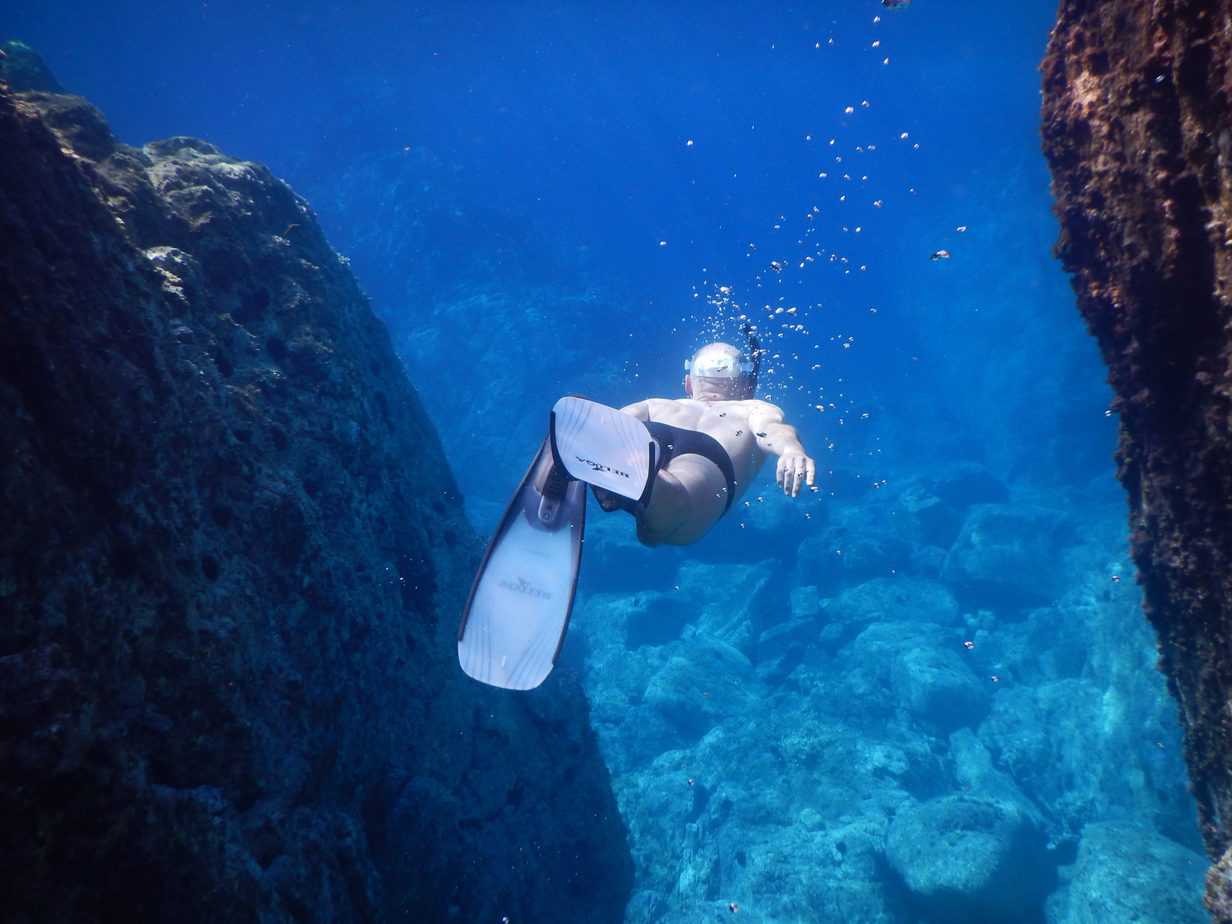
(515, 618)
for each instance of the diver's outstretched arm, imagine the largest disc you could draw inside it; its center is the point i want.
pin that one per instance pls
(795, 467)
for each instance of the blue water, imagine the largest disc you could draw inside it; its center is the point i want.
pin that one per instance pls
(547, 198)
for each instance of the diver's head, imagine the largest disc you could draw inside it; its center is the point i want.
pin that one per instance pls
(720, 372)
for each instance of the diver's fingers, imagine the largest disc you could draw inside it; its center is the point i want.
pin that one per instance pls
(810, 468)
(779, 473)
(797, 477)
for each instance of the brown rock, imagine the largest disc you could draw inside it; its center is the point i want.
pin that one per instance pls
(1138, 129)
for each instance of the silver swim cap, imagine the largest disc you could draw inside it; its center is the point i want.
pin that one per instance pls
(723, 371)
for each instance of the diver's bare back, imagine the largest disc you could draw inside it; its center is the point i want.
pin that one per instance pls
(733, 424)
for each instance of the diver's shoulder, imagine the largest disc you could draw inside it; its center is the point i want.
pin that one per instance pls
(666, 402)
(758, 406)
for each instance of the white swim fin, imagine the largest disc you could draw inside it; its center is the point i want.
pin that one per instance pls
(515, 618)
(604, 447)
(518, 610)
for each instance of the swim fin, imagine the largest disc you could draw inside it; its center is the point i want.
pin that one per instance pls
(518, 610)
(515, 618)
(604, 447)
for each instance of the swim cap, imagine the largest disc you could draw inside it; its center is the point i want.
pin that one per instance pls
(722, 371)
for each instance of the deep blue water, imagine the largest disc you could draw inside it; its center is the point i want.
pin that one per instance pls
(545, 198)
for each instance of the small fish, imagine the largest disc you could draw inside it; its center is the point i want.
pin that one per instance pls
(939, 255)
(895, 4)
(968, 645)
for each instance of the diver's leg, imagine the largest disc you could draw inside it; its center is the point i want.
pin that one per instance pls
(689, 497)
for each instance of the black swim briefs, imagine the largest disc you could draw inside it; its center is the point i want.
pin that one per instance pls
(677, 441)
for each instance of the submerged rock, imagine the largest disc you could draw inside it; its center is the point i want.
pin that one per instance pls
(23, 70)
(935, 685)
(884, 600)
(1008, 554)
(1136, 114)
(843, 557)
(969, 858)
(696, 689)
(1127, 872)
(232, 561)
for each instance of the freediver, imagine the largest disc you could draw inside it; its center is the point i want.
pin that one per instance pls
(676, 464)
(713, 444)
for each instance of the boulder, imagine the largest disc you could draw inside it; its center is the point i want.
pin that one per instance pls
(654, 618)
(865, 666)
(805, 602)
(1086, 749)
(928, 561)
(932, 521)
(1128, 872)
(886, 599)
(23, 70)
(1008, 554)
(781, 647)
(935, 685)
(235, 552)
(841, 557)
(968, 858)
(701, 685)
(732, 602)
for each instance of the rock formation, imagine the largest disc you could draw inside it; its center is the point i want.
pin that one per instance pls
(230, 571)
(1138, 130)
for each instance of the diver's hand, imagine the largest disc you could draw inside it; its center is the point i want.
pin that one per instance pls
(794, 470)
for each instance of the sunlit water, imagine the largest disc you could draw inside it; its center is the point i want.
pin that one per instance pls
(924, 692)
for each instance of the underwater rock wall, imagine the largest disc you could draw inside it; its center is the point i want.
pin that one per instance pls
(231, 566)
(1137, 109)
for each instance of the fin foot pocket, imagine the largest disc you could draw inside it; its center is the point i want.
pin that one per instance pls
(604, 447)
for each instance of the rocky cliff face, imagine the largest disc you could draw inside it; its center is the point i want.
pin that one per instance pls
(1138, 129)
(230, 571)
